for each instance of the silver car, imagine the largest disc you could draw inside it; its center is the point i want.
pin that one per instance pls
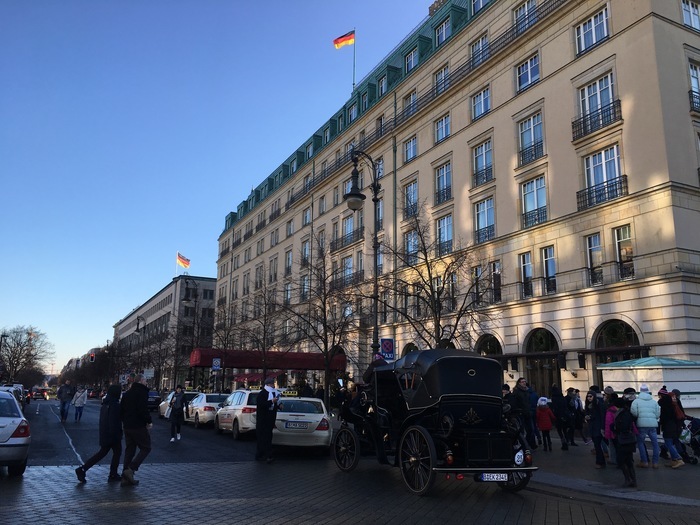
(202, 409)
(15, 436)
(189, 396)
(237, 413)
(302, 422)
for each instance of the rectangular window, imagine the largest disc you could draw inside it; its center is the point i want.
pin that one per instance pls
(326, 136)
(293, 166)
(409, 103)
(382, 86)
(442, 128)
(530, 135)
(483, 171)
(534, 197)
(691, 14)
(411, 60)
(309, 151)
(442, 80)
(304, 288)
(290, 227)
(364, 101)
(549, 270)
(348, 225)
(596, 95)
(410, 200)
(352, 113)
(595, 259)
(246, 284)
(496, 281)
(305, 253)
(444, 235)
(478, 5)
(484, 215)
(528, 72)
(443, 32)
(288, 261)
(380, 126)
(443, 183)
(322, 205)
(694, 77)
(481, 104)
(525, 15)
(380, 214)
(410, 149)
(273, 270)
(526, 274)
(411, 243)
(603, 166)
(624, 252)
(479, 50)
(592, 32)
(306, 216)
(336, 196)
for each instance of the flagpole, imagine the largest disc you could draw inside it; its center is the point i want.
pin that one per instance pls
(176, 254)
(354, 56)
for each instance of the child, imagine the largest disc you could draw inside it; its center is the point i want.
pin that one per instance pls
(544, 417)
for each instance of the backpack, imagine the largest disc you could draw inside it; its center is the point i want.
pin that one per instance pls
(623, 427)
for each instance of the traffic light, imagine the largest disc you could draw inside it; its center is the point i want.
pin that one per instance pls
(92, 357)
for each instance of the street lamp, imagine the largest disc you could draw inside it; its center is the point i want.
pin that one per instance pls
(355, 199)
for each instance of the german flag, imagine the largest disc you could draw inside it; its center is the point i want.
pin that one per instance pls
(348, 39)
(183, 261)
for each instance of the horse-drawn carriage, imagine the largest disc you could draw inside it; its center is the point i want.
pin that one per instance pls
(435, 411)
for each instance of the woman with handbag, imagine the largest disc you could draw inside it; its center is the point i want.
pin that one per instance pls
(177, 407)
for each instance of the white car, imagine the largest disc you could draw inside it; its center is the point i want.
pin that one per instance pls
(302, 422)
(189, 396)
(202, 409)
(237, 413)
(15, 436)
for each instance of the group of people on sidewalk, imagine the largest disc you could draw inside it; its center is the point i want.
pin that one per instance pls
(617, 425)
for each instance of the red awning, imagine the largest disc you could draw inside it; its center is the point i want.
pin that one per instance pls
(202, 357)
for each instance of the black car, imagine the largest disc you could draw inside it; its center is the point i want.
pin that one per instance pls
(153, 400)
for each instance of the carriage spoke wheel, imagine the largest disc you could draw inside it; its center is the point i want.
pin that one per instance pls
(516, 481)
(346, 449)
(417, 459)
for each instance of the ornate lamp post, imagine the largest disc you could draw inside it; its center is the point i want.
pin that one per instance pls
(355, 200)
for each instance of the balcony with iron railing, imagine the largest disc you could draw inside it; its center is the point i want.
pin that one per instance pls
(600, 193)
(534, 217)
(305, 261)
(443, 248)
(530, 153)
(526, 290)
(625, 270)
(410, 210)
(275, 214)
(224, 252)
(345, 280)
(247, 235)
(348, 239)
(694, 100)
(260, 225)
(595, 120)
(287, 271)
(550, 284)
(443, 195)
(482, 176)
(484, 234)
(410, 258)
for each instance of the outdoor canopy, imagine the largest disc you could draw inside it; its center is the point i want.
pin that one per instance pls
(202, 357)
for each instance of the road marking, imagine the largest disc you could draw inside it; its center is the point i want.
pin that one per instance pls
(70, 441)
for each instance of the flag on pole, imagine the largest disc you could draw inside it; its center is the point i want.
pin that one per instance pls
(182, 260)
(348, 39)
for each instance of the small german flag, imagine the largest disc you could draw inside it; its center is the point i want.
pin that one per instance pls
(348, 39)
(182, 260)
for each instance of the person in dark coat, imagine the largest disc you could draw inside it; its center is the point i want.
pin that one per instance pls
(561, 411)
(595, 416)
(520, 401)
(136, 419)
(178, 408)
(265, 416)
(669, 426)
(110, 436)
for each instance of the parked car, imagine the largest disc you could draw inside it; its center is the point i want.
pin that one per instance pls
(154, 400)
(302, 422)
(202, 409)
(15, 436)
(236, 414)
(189, 396)
(17, 392)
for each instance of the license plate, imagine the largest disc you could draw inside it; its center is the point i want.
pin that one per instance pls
(494, 476)
(296, 424)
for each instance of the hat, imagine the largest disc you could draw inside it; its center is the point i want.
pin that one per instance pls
(270, 381)
(677, 392)
(663, 392)
(570, 389)
(506, 387)
(542, 402)
(629, 393)
(644, 388)
(609, 390)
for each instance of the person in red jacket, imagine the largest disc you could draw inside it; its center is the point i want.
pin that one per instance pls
(544, 417)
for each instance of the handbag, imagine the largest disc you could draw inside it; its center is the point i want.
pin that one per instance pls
(168, 411)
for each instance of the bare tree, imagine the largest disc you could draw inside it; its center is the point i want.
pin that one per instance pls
(437, 287)
(23, 348)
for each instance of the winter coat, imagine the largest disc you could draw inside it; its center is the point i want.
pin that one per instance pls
(667, 420)
(520, 400)
(65, 393)
(544, 418)
(134, 407)
(646, 411)
(610, 414)
(80, 398)
(110, 422)
(178, 407)
(596, 417)
(560, 407)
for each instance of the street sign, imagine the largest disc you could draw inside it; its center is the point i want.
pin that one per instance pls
(386, 348)
(216, 363)
(148, 373)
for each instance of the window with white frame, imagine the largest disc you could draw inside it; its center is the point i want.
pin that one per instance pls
(382, 85)
(380, 214)
(379, 126)
(409, 103)
(305, 252)
(592, 32)
(273, 270)
(442, 79)
(594, 252)
(528, 72)
(322, 205)
(348, 225)
(336, 196)
(293, 165)
(346, 267)
(246, 283)
(364, 101)
(410, 193)
(274, 237)
(290, 227)
(444, 235)
(309, 151)
(347, 186)
(549, 269)
(624, 251)
(360, 261)
(287, 293)
(304, 287)
(352, 113)
(534, 198)
(479, 50)
(288, 260)
(478, 5)
(443, 32)
(442, 128)
(306, 216)
(530, 136)
(483, 171)
(410, 149)
(484, 220)
(603, 166)
(526, 273)
(443, 183)
(411, 60)
(691, 14)
(411, 244)
(596, 95)
(525, 15)
(260, 247)
(341, 122)
(694, 77)
(481, 104)
(326, 136)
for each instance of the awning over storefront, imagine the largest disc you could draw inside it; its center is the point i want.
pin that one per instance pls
(202, 357)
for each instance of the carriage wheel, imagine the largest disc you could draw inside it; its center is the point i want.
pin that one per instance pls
(516, 481)
(417, 458)
(346, 449)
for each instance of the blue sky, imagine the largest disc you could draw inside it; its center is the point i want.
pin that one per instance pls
(129, 129)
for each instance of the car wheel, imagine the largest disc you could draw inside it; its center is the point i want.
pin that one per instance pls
(17, 470)
(516, 481)
(417, 458)
(219, 430)
(196, 421)
(346, 449)
(235, 431)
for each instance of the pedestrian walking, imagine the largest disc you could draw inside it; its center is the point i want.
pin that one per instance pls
(609, 396)
(178, 407)
(136, 419)
(596, 425)
(266, 413)
(647, 413)
(561, 412)
(575, 419)
(520, 402)
(624, 436)
(668, 421)
(545, 418)
(79, 400)
(110, 432)
(65, 394)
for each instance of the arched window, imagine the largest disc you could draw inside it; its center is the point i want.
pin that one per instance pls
(616, 334)
(541, 340)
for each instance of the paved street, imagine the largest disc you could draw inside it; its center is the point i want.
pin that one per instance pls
(299, 488)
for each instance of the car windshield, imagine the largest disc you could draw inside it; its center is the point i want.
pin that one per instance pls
(300, 406)
(189, 396)
(216, 398)
(8, 408)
